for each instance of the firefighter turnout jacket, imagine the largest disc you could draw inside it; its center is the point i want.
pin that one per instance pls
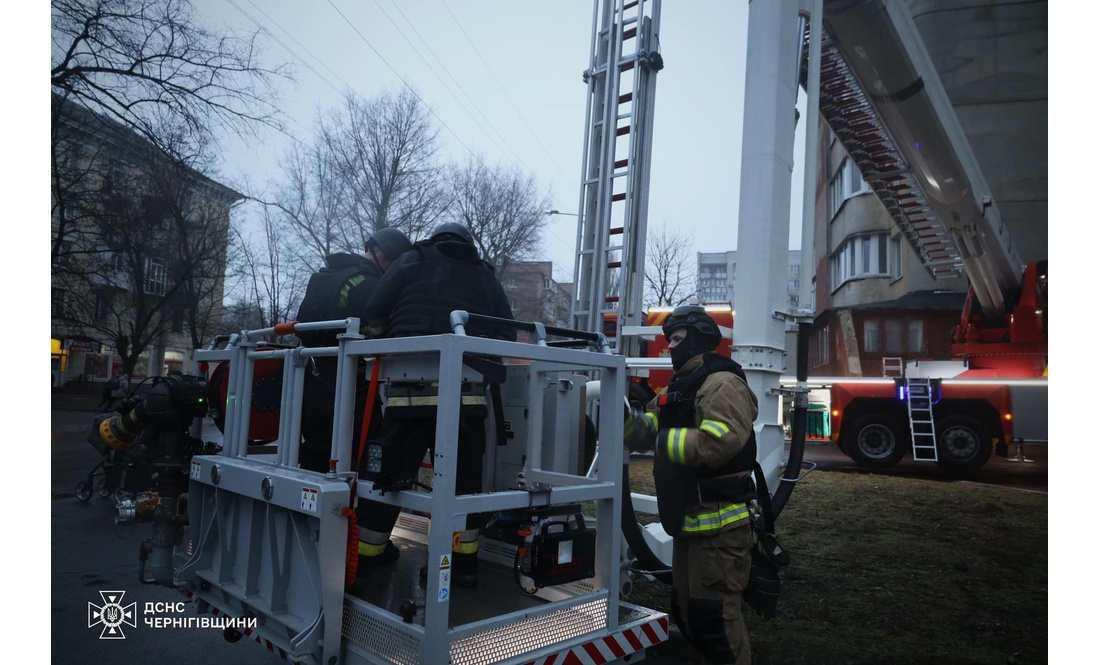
(701, 430)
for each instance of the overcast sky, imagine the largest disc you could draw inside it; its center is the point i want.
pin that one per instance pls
(525, 104)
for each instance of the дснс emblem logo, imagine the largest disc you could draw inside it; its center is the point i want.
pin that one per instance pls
(112, 615)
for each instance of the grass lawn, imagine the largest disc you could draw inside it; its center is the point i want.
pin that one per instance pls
(899, 571)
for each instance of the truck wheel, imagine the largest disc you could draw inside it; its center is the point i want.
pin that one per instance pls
(963, 443)
(876, 441)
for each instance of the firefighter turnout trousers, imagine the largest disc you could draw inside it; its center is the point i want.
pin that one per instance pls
(404, 443)
(709, 575)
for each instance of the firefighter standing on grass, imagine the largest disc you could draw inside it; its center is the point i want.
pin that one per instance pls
(701, 431)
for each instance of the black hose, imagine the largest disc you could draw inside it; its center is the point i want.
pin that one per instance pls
(648, 563)
(798, 424)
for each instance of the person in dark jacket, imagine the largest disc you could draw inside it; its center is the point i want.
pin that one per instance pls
(438, 276)
(416, 297)
(339, 290)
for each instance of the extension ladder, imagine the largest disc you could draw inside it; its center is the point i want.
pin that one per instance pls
(921, 424)
(611, 225)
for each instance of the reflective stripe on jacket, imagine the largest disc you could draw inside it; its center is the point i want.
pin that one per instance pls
(725, 409)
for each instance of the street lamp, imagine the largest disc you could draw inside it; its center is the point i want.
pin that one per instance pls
(548, 213)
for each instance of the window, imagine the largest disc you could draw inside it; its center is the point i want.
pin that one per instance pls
(65, 248)
(813, 294)
(795, 268)
(854, 179)
(836, 193)
(895, 337)
(75, 157)
(177, 320)
(895, 253)
(156, 277)
(871, 341)
(916, 337)
(62, 304)
(863, 255)
(846, 183)
(547, 283)
(819, 348)
(792, 285)
(102, 306)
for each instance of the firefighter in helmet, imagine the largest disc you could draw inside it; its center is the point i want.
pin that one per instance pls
(701, 431)
(416, 297)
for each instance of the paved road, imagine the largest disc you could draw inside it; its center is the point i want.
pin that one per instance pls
(90, 555)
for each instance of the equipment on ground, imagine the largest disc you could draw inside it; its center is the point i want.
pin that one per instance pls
(153, 434)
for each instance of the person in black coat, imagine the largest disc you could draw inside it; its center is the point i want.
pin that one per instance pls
(416, 297)
(339, 290)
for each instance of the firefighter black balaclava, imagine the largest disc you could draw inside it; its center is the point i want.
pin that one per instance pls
(702, 333)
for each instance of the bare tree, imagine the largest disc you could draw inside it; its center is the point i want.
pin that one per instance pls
(502, 207)
(150, 64)
(271, 283)
(669, 273)
(76, 188)
(311, 202)
(155, 245)
(384, 151)
(142, 89)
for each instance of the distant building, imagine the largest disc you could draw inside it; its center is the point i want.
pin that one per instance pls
(534, 295)
(715, 273)
(716, 270)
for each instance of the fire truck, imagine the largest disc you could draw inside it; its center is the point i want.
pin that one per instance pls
(992, 398)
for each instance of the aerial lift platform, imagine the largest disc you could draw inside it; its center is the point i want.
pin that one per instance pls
(269, 541)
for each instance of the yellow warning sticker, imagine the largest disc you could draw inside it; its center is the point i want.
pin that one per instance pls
(444, 578)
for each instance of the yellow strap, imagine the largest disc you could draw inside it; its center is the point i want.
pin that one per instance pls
(465, 548)
(367, 549)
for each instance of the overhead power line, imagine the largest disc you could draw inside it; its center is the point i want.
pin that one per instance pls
(304, 47)
(432, 111)
(508, 97)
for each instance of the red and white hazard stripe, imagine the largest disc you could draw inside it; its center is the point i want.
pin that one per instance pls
(612, 647)
(258, 640)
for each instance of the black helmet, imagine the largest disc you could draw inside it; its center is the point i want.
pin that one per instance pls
(694, 317)
(390, 241)
(452, 228)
